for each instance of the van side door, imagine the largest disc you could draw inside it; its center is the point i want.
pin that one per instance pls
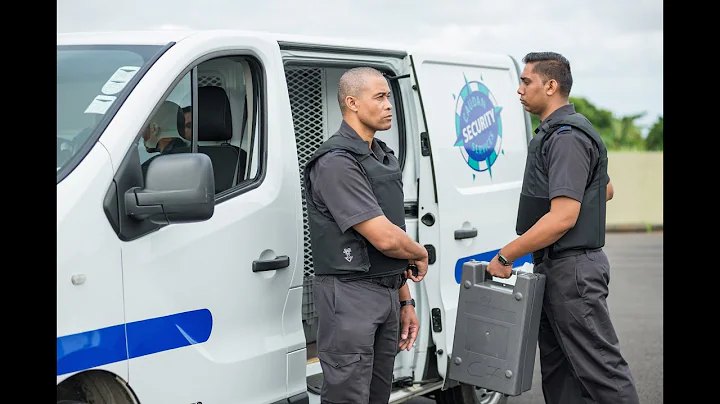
(473, 151)
(213, 307)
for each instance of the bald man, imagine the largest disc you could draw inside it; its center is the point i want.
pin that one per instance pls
(354, 194)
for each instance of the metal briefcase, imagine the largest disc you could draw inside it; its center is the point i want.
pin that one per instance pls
(496, 330)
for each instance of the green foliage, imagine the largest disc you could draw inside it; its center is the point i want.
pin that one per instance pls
(654, 139)
(618, 133)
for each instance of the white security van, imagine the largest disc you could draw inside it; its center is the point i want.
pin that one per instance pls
(184, 275)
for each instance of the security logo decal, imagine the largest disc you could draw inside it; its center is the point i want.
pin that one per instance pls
(478, 126)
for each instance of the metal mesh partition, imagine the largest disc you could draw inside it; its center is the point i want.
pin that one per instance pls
(305, 87)
(207, 81)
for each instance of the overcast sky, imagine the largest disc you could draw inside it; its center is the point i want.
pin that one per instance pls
(615, 47)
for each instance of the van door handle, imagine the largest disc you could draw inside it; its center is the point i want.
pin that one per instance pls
(279, 262)
(465, 233)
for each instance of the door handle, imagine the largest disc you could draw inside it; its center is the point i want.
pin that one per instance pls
(465, 233)
(279, 262)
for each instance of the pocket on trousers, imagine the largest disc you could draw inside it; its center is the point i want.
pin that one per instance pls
(591, 276)
(340, 366)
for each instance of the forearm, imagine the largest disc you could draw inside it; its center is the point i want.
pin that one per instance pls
(404, 292)
(546, 231)
(403, 247)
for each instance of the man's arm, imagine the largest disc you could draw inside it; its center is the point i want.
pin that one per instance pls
(610, 191)
(569, 159)
(390, 239)
(550, 228)
(409, 324)
(394, 242)
(341, 186)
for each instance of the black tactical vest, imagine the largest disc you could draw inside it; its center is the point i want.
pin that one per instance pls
(589, 230)
(349, 253)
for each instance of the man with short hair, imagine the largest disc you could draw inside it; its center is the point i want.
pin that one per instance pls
(354, 194)
(561, 220)
(162, 133)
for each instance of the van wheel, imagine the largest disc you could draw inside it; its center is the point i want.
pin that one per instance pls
(467, 394)
(94, 387)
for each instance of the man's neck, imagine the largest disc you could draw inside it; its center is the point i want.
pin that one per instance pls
(362, 130)
(552, 108)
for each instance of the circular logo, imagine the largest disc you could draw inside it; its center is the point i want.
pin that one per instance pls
(478, 126)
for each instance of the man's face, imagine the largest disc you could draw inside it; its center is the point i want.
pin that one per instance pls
(532, 91)
(188, 126)
(374, 108)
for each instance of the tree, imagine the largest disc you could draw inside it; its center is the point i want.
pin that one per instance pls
(616, 133)
(628, 136)
(654, 140)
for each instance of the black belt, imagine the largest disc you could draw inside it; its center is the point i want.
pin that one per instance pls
(389, 281)
(539, 256)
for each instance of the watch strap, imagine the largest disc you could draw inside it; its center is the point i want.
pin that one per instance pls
(503, 260)
(410, 302)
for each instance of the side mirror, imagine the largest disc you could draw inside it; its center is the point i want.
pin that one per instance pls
(179, 188)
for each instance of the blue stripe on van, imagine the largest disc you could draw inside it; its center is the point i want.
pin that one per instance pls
(92, 348)
(99, 347)
(487, 256)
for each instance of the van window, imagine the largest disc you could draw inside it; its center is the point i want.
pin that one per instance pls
(169, 129)
(89, 81)
(224, 117)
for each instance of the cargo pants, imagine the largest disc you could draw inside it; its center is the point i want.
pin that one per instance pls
(357, 339)
(580, 357)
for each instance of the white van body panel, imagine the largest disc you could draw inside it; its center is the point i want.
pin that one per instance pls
(202, 272)
(478, 145)
(90, 310)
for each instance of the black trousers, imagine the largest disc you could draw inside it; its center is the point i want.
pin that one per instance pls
(357, 339)
(580, 359)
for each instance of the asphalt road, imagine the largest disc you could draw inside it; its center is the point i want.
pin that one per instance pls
(636, 308)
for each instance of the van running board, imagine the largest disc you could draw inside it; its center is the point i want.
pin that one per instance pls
(315, 382)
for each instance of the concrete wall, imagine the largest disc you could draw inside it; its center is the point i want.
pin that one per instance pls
(637, 178)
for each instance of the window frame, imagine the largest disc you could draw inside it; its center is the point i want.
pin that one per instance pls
(258, 131)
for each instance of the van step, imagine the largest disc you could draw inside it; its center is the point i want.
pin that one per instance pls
(315, 382)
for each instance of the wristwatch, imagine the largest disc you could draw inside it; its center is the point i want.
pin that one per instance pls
(407, 302)
(504, 260)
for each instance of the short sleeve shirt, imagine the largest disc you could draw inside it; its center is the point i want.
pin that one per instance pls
(570, 158)
(340, 189)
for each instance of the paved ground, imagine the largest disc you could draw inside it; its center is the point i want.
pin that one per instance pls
(636, 308)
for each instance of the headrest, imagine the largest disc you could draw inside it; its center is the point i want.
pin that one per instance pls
(214, 120)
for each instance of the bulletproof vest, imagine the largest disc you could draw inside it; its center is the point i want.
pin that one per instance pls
(589, 230)
(349, 254)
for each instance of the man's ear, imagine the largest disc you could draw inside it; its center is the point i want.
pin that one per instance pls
(351, 103)
(551, 87)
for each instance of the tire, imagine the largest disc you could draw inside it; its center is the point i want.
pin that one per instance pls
(93, 388)
(466, 394)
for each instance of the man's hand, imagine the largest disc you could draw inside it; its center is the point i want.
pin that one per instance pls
(409, 326)
(422, 266)
(497, 269)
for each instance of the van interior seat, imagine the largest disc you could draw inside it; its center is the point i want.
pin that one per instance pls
(215, 125)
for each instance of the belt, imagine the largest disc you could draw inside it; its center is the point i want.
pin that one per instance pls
(539, 256)
(389, 281)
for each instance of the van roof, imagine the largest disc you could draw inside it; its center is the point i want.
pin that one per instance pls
(162, 37)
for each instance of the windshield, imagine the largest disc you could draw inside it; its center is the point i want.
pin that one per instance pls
(90, 79)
